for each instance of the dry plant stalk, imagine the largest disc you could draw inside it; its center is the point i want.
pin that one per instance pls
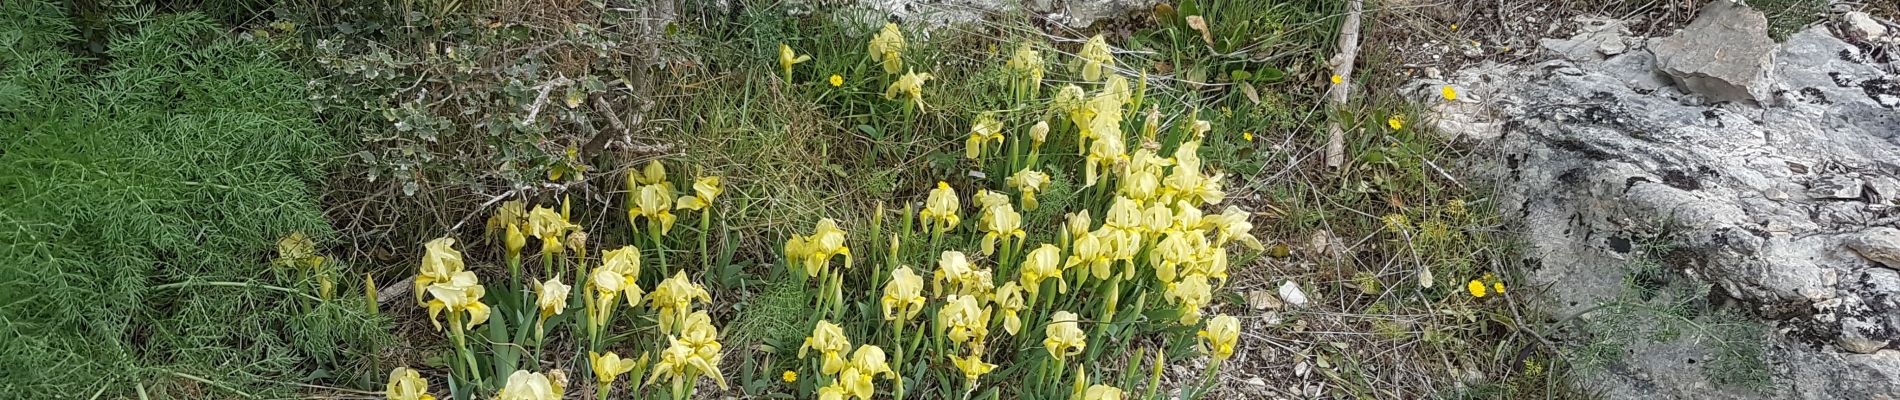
(1342, 68)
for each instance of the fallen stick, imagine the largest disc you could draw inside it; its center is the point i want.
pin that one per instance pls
(1342, 68)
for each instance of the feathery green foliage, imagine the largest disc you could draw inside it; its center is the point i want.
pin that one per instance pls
(178, 159)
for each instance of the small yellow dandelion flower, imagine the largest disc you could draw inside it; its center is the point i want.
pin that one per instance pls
(836, 80)
(789, 376)
(1396, 121)
(1498, 287)
(1247, 135)
(1449, 93)
(1337, 80)
(1476, 288)
(1454, 27)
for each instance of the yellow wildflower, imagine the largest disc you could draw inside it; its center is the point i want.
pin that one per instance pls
(1028, 181)
(836, 391)
(1093, 56)
(653, 173)
(1026, 64)
(524, 385)
(1102, 392)
(1232, 224)
(608, 367)
(1449, 93)
(965, 319)
(440, 261)
(1247, 135)
(985, 129)
(462, 293)
(816, 251)
(1337, 80)
(1191, 293)
(911, 83)
(1396, 121)
(836, 80)
(1064, 336)
(551, 297)
(705, 189)
(1498, 287)
(514, 240)
(888, 48)
(787, 58)
(941, 207)
(1476, 288)
(973, 366)
(1038, 134)
(1218, 339)
(1009, 300)
(1043, 263)
(952, 267)
(673, 299)
(789, 376)
(829, 340)
(624, 261)
(903, 295)
(1001, 222)
(407, 384)
(655, 203)
(866, 363)
(680, 360)
(1089, 252)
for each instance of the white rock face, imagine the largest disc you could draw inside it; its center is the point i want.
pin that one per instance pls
(1724, 54)
(1786, 206)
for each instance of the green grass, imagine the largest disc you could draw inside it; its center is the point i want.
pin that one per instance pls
(131, 181)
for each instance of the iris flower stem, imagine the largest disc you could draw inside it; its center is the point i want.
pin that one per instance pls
(461, 347)
(705, 229)
(653, 231)
(897, 340)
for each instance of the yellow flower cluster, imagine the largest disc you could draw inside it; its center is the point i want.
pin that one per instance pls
(851, 378)
(815, 251)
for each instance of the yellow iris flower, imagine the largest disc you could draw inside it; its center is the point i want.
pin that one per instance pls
(1105, 152)
(836, 391)
(829, 340)
(1009, 300)
(1218, 340)
(1026, 64)
(705, 189)
(681, 360)
(551, 297)
(653, 173)
(624, 261)
(407, 384)
(655, 203)
(524, 385)
(1231, 224)
(1102, 392)
(985, 129)
(965, 319)
(1089, 252)
(941, 208)
(888, 48)
(550, 227)
(1001, 222)
(954, 267)
(673, 299)
(609, 367)
(903, 295)
(973, 366)
(1191, 293)
(461, 294)
(1094, 55)
(912, 84)
(514, 240)
(440, 261)
(609, 283)
(866, 363)
(1028, 182)
(1064, 336)
(1038, 134)
(787, 58)
(1043, 263)
(816, 251)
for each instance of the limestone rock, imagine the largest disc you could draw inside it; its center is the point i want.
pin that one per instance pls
(1590, 156)
(1882, 245)
(1725, 54)
(1596, 38)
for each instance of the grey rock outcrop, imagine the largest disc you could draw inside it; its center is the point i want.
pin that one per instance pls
(1724, 54)
(1782, 207)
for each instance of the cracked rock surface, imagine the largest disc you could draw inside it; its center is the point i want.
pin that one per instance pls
(1777, 195)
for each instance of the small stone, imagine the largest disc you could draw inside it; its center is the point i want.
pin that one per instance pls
(1724, 54)
(1612, 47)
(1861, 26)
(1263, 300)
(1882, 245)
(1291, 294)
(1835, 187)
